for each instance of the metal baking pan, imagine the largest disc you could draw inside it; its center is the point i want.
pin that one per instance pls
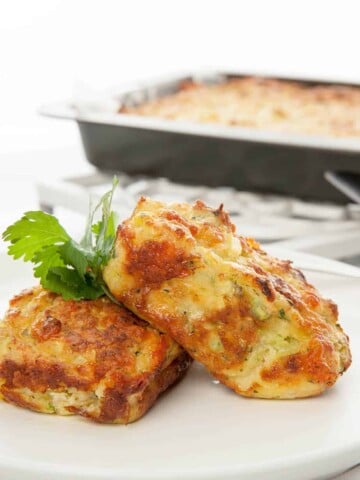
(210, 154)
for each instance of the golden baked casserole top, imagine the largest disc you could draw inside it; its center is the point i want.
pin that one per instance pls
(264, 103)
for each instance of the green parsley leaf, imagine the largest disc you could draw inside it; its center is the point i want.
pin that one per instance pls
(32, 232)
(70, 285)
(63, 265)
(73, 254)
(45, 259)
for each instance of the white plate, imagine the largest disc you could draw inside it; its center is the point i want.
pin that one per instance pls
(200, 429)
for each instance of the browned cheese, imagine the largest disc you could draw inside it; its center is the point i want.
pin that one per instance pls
(91, 357)
(251, 319)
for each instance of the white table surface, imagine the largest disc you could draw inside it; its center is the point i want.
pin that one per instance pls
(52, 152)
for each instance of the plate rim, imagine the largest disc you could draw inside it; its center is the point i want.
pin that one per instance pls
(200, 473)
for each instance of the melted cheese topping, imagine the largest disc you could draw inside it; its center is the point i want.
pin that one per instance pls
(89, 357)
(251, 319)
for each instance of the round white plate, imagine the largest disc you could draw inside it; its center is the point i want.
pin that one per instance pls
(199, 429)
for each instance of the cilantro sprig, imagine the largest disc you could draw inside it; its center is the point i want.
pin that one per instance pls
(63, 265)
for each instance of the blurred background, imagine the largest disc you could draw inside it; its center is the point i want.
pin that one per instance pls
(59, 50)
(52, 49)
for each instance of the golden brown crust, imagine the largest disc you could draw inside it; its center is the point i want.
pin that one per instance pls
(155, 262)
(115, 403)
(264, 103)
(88, 357)
(251, 319)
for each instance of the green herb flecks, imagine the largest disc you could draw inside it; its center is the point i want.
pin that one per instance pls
(64, 266)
